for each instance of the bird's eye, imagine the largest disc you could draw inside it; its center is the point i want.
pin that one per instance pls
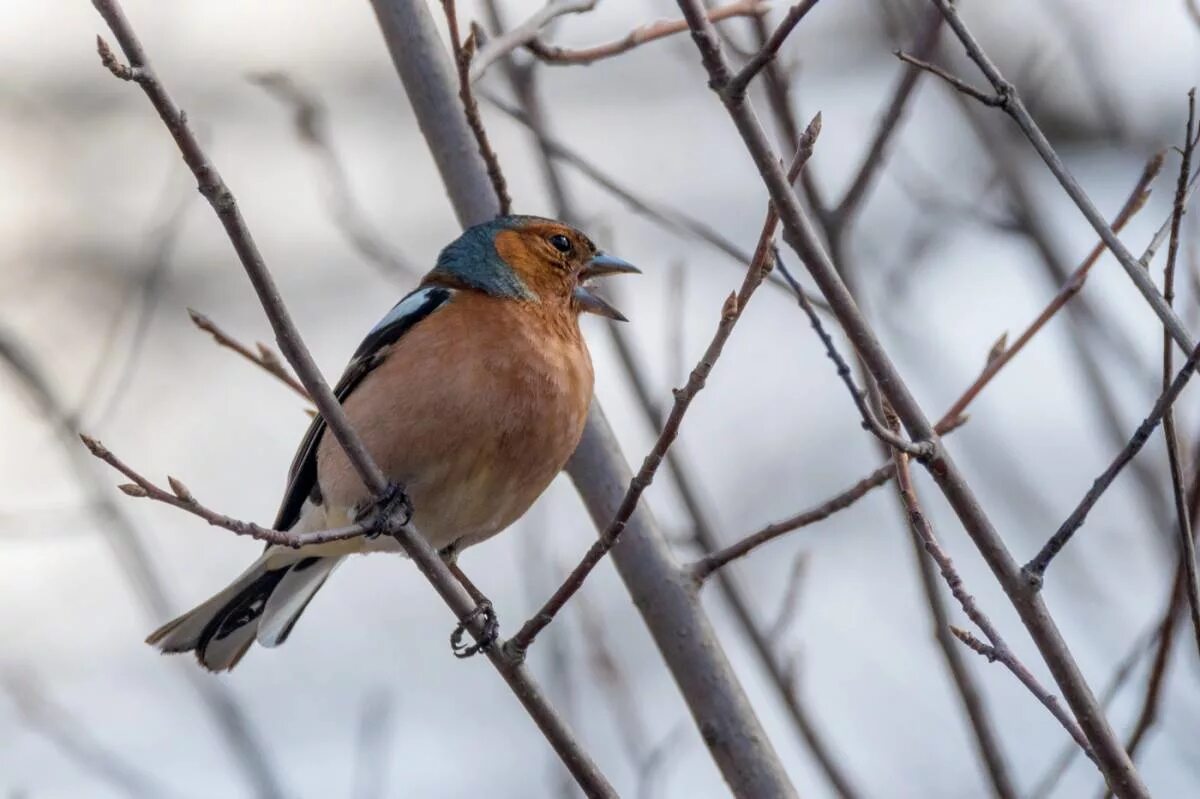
(561, 242)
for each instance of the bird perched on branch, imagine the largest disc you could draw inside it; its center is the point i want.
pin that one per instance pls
(471, 393)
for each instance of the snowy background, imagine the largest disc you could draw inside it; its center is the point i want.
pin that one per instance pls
(365, 699)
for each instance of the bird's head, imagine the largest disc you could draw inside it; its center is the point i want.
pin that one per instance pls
(531, 258)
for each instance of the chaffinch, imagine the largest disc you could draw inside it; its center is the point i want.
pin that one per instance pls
(471, 393)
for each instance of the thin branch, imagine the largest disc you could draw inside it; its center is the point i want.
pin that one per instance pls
(918, 449)
(463, 53)
(770, 49)
(669, 218)
(643, 34)
(1045, 785)
(974, 702)
(731, 312)
(1034, 571)
(1011, 103)
(1187, 545)
(669, 608)
(147, 584)
(960, 85)
(180, 497)
(502, 44)
(1000, 356)
(265, 358)
(996, 649)
(523, 82)
(800, 234)
(419, 550)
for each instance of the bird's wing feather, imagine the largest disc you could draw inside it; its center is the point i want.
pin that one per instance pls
(302, 478)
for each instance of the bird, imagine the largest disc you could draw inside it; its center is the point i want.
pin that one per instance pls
(471, 393)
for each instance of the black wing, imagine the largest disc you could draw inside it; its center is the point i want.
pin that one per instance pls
(302, 478)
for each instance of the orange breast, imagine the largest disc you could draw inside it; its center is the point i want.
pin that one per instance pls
(474, 411)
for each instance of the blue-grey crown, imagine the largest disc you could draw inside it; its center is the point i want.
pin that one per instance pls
(473, 260)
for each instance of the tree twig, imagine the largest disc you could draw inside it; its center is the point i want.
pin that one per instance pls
(1187, 545)
(731, 312)
(265, 358)
(643, 34)
(181, 497)
(996, 649)
(766, 54)
(799, 233)
(1011, 103)
(590, 779)
(1034, 571)
(502, 44)
(954, 416)
(463, 55)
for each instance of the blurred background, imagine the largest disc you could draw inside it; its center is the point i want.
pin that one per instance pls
(104, 244)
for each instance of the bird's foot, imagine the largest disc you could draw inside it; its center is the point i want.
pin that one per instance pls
(489, 635)
(393, 508)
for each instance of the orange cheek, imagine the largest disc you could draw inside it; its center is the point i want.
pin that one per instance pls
(544, 279)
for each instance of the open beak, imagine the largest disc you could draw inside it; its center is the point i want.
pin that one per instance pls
(600, 266)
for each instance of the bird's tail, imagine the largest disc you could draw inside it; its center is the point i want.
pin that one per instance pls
(263, 603)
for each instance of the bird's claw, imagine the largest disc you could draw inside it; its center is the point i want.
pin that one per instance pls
(489, 635)
(393, 508)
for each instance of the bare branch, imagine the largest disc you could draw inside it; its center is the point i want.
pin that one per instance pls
(1187, 545)
(799, 233)
(144, 579)
(1001, 354)
(463, 53)
(766, 54)
(997, 649)
(1011, 103)
(643, 34)
(265, 358)
(290, 342)
(731, 312)
(666, 217)
(918, 449)
(501, 45)
(180, 497)
(1034, 571)
(991, 100)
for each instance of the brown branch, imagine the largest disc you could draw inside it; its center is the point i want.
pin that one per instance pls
(731, 312)
(996, 649)
(740, 602)
(957, 83)
(770, 49)
(463, 54)
(1011, 103)
(418, 549)
(1187, 545)
(800, 234)
(180, 497)
(668, 218)
(643, 34)
(1000, 357)
(502, 44)
(265, 358)
(148, 585)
